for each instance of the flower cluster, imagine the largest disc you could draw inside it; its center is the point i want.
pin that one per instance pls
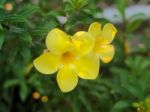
(76, 56)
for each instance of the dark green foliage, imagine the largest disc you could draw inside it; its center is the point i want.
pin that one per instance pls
(122, 86)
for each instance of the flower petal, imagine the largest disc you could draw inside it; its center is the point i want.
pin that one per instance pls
(106, 53)
(108, 33)
(67, 79)
(88, 66)
(57, 41)
(47, 63)
(83, 42)
(95, 29)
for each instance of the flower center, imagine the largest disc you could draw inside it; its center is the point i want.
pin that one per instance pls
(68, 58)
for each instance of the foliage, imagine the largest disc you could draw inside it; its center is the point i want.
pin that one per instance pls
(122, 86)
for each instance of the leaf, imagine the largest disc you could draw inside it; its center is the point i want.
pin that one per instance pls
(68, 7)
(1, 27)
(25, 53)
(25, 36)
(23, 91)
(39, 31)
(33, 79)
(135, 23)
(27, 10)
(120, 105)
(85, 102)
(121, 7)
(76, 105)
(2, 3)
(1, 6)
(135, 104)
(11, 83)
(13, 18)
(83, 3)
(43, 29)
(135, 90)
(74, 5)
(1, 38)
(15, 29)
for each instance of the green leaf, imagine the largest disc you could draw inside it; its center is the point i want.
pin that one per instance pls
(39, 31)
(26, 53)
(25, 36)
(1, 38)
(135, 23)
(121, 7)
(23, 91)
(120, 105)
(83, 3)
(1, 6)
(13, 18)
(68, 7)
(2, 3)
(136, 104)
(74, 5)
(15, 29)
(43, 29)
(135, 90)
(1, 28)
(27, 10)
(86, 103)
(11, 83)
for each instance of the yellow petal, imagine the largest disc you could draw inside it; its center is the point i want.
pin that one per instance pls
(57, 41)
(108, 33)
(47, 63)
(83, 42)
(88, 66)
(95, 29)
(67, 79)
(106, 52)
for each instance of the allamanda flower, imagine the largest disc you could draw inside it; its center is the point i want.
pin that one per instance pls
(103, 38)
(63, 56)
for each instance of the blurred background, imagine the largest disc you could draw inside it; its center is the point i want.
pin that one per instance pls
(122, 86)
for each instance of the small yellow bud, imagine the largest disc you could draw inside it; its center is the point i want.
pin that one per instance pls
(36, 95)
(138, 109)
(8, 6)
(44, 99)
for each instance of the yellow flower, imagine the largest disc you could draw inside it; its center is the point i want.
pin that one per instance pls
(63, 56)
(103, 38)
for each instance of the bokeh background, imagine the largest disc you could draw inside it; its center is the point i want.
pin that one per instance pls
(122, 86)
